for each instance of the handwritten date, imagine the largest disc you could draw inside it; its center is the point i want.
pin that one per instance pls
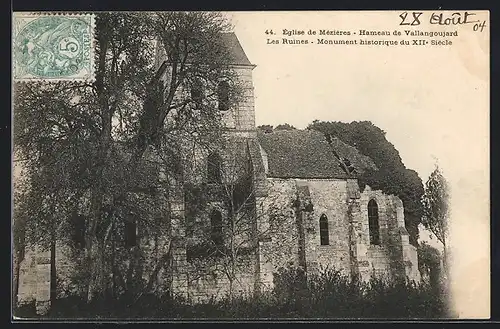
(456, 18)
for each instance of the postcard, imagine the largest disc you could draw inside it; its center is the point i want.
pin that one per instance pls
(228, 166)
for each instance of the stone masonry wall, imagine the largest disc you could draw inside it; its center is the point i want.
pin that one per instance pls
(209, 279)
(279, 243)
(207, 274)
(329, 198)
(394, 257)
(374, 259)
(244, 111)
(27, 278)
(65, 270)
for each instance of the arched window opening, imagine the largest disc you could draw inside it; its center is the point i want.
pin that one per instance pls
(130, 233)
(223, 95)
(216, 228)
(214, 170)
(197, 93)
(373, 224)
(323, 230)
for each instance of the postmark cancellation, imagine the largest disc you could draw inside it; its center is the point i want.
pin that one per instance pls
(53, 47)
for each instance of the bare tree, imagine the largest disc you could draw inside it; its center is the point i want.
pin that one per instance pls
(226, 219)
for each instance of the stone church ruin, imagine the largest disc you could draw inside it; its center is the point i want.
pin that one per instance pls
(262, 201)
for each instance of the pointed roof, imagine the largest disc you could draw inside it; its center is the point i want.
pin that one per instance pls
(229, 39)
(238, 54)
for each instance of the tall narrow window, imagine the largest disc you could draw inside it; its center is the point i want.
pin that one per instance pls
(78, 230)
(323, 230)
(130, 232)
(216, 228)
(373, 222)
(197, 92)
(214, 168)
(223, 95)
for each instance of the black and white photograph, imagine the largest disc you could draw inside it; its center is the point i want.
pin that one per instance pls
(258, 165)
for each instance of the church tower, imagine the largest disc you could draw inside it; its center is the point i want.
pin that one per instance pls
(235, 166)
(239, 117)
(238, 113)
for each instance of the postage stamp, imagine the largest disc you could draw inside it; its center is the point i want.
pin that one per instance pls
(53, 47)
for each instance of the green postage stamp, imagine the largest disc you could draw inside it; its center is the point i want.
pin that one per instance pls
(53, 47)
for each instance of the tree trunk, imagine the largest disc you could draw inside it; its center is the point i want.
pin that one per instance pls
(231, 290)
(53, 268)
(445, 260)
(231, 276)
(445, 285)
(113, 252)
(94, 266)
(97, 191)
(148, 130)
(92, 259)
(18, 253)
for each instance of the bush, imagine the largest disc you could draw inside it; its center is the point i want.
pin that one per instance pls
(327, 294)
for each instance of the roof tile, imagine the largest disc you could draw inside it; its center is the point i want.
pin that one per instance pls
(238, 54)
(307, 154)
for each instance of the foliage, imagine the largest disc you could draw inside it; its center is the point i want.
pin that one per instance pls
(218, 212)
(327, 294)
(435, 202)
(270, 128)
(283, 204)
(234, 198)
(429, 263)
(266, 128)
(436, 205)
(392, 176)
(204, 251)
(285, 126)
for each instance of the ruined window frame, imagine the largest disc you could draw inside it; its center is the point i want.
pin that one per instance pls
(324, 232)
(79, 230)
(130, 233)
(216, 228)
(373, 222)
(214, 168)
(197, 92)
(223, 89)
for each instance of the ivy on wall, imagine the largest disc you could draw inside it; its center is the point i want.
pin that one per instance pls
(391, 176)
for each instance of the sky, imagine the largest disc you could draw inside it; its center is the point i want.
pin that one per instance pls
(432, 102)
